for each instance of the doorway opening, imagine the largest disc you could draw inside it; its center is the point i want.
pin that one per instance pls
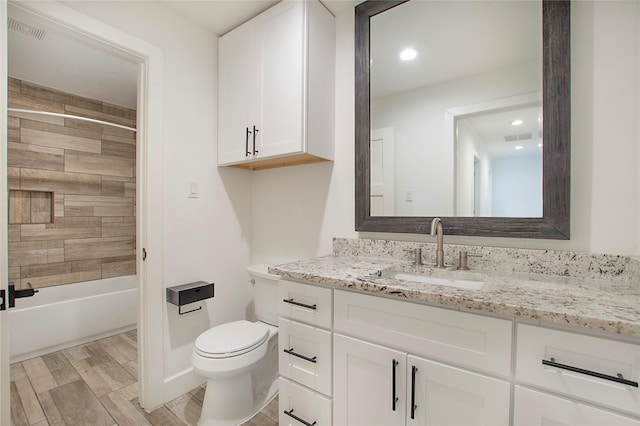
(147, 61)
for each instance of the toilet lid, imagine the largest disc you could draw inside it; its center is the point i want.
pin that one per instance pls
(231, 339)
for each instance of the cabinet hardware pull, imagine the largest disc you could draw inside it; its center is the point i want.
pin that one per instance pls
(414, 370)
(620, 379)
(293, 416)
(293, 302)
(246, 143)
(255, 132)
(394, 398)
(306, 358)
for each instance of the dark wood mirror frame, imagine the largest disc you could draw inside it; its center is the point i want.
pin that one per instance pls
(556, 104)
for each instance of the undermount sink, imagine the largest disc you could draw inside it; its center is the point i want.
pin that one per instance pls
(447, 278)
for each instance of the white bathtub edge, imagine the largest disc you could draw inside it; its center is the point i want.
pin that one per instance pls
(87, 312)
(51, 349)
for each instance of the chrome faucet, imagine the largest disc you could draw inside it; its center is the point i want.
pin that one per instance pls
(436, 229)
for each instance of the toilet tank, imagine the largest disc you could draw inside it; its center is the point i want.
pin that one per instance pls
(265, 293)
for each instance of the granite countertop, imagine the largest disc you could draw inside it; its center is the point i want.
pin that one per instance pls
(599, 305)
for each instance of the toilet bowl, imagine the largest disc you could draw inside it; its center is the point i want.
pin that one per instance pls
(239, 359)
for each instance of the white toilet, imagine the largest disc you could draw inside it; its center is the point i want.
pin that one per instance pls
(240, 358)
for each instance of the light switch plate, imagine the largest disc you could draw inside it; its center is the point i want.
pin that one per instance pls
(193, 189)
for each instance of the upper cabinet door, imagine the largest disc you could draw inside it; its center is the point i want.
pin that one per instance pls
(281, 41)
(239, 93)
(276, 88)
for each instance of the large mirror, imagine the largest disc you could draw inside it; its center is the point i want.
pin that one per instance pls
(458, 131)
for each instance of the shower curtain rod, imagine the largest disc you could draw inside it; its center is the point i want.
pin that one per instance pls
(75, 117)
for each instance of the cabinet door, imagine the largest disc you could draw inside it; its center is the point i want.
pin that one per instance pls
(239, 93)
(281, 46)
(364, 387)
(444, 395)
(538, 408)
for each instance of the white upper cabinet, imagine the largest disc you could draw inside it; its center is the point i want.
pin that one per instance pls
(276, 88)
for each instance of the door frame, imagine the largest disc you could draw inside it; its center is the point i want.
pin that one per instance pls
(5, 391)
(389, 181)
(148, 193)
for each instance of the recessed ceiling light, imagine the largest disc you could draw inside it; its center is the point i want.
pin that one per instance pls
(517, 122)
(539, 145)
(408, 54)
(519, 147)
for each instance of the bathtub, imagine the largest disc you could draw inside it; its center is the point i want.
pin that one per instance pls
(63, 316)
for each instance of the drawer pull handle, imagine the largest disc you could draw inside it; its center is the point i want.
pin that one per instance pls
(304, 305)
(306, 358)
(394, 397)
(293, 416)
(414, 370)
(619, 379)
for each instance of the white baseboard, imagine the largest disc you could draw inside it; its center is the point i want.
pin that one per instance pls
(181, 383)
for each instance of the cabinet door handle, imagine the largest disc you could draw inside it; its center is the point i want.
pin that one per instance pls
(255, 132)
(619, 379)
(414, 370)
(293, 302)
(293, 416)
(246, 143)
(394, 397)
(306, 358)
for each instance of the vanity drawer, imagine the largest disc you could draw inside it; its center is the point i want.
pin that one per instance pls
(305, 354)
(306, 303)
(533, 407)
(470, 340)
(306, 405)
(588, 353)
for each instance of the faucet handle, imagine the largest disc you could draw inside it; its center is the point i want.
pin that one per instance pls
(463, 259)
(417, 255)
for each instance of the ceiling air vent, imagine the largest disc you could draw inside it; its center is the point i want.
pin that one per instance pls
(520, 137)
(37, 33)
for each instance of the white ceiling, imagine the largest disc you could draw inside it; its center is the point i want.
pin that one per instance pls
(454, 39)
(65, 61)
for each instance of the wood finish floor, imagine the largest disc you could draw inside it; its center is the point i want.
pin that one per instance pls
(96, 384)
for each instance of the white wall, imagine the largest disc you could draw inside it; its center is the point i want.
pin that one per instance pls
(205, 238)
(298, 210)
(605, 156)
(517, 186)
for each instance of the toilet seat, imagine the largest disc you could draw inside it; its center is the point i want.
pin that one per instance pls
(231, 339)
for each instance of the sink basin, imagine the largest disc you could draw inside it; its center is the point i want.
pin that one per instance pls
(449, 281)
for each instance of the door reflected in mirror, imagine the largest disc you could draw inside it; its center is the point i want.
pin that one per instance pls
(442, 139)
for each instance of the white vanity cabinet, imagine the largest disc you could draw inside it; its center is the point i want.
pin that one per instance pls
(377, 385)
(403, 363)
(276, 88)
(363, 359)
(305, 353)
(576, 379)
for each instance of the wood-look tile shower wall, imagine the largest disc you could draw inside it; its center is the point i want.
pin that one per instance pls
(90, 169)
